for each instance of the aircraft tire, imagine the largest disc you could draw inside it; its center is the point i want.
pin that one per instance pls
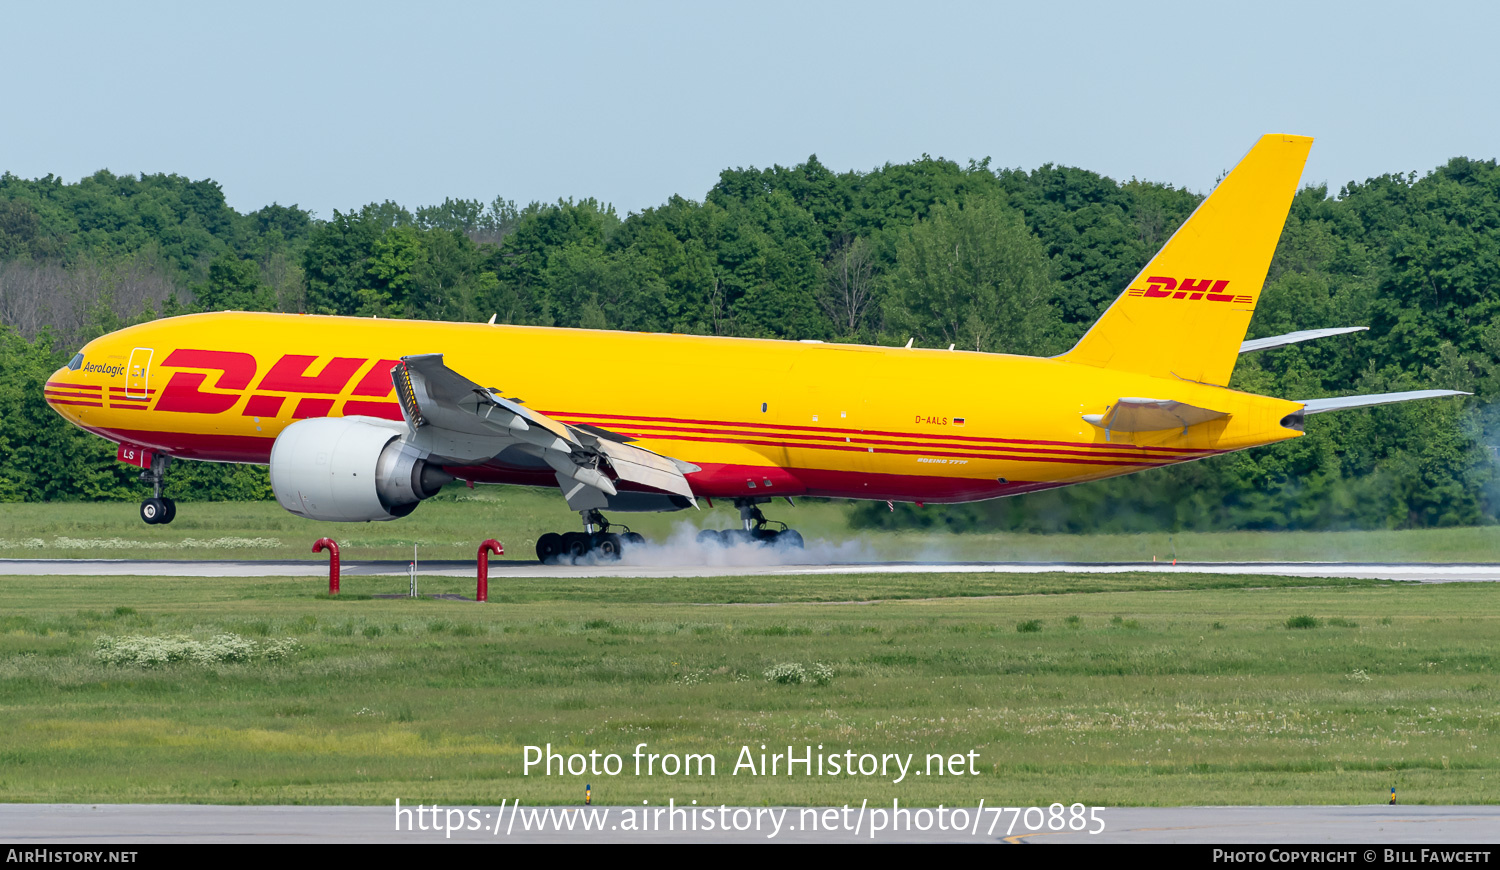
(788, 538)
(608, 545)
(575, 544)
(710, 536)
(152, 511)
(634, 539)
(171, 511)
(548, 546)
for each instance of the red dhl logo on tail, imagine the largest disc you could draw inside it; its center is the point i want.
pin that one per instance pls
(1191, 289)
(315, 394)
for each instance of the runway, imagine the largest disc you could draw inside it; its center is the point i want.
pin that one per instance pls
(71, 825)
(1421, 572)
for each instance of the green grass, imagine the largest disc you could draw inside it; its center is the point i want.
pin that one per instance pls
(451, 526)
(1130, 689)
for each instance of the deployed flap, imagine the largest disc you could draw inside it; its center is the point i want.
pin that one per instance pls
(1318, 406)
(646, 468)
(1295, 337)
(454, 417)
(1151, 415)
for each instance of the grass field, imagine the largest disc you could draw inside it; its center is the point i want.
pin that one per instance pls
(1128, 689)
(452, 525)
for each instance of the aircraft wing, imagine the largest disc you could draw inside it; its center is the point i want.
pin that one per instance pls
(459, 421)
(1150, 415)
(1318, 406)
(1295, 337)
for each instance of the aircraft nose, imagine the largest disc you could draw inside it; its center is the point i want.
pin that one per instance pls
(68, 396)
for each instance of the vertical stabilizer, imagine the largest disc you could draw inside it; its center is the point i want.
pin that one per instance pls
(1187, 312)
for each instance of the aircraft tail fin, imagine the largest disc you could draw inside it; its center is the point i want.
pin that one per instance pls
(1187, 312)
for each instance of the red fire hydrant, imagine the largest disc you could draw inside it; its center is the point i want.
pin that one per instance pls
(482, 593)
(333, 562)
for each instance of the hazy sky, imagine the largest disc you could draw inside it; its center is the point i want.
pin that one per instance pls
(334, 105)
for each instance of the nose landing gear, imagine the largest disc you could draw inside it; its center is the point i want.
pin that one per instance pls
(596, 538)
(755, 528)
(157, 510)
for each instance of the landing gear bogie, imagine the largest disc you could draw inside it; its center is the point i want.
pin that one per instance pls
(596, 540)
(756, 529)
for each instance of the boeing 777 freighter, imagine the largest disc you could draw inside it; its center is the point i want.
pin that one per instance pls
(361, 419)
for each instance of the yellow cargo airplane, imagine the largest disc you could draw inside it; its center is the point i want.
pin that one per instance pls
(361, 419)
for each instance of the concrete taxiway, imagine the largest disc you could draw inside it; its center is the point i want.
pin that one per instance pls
(68, 825)
(1423, 572)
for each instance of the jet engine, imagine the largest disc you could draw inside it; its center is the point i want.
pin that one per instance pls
(351, 470)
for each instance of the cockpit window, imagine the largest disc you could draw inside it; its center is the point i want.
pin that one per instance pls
(76, 362)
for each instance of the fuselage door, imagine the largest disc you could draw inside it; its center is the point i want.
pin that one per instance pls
(137, 372)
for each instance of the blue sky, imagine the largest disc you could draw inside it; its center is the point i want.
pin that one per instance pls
(334, 105)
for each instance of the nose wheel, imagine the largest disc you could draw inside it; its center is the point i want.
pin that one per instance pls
(596, 539)
(157, 511)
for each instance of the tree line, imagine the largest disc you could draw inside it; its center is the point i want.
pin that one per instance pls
(989, 259)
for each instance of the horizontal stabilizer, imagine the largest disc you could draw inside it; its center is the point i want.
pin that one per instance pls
(1318, 406)
(1295, 337)
(1151, 415)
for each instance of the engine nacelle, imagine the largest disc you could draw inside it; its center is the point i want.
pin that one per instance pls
(350, 470)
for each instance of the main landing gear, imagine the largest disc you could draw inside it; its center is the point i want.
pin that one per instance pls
(596, 538)
(157, 510)
(755, 528)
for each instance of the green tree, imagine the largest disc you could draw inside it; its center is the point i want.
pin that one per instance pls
(974, 276)
(234, 285)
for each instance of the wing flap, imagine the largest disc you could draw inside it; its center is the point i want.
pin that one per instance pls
(646, 468)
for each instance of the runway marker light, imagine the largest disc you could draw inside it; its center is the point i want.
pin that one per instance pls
(328, 544)
(588, 794)
(1393, 795)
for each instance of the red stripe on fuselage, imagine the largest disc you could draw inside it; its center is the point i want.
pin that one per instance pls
(54, 401)
(253, 449)
(729, 481)
(946, 451)
(783, 426)
(877, 443)
(71, 394)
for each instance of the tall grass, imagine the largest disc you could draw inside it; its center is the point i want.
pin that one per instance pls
(1129, 692)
